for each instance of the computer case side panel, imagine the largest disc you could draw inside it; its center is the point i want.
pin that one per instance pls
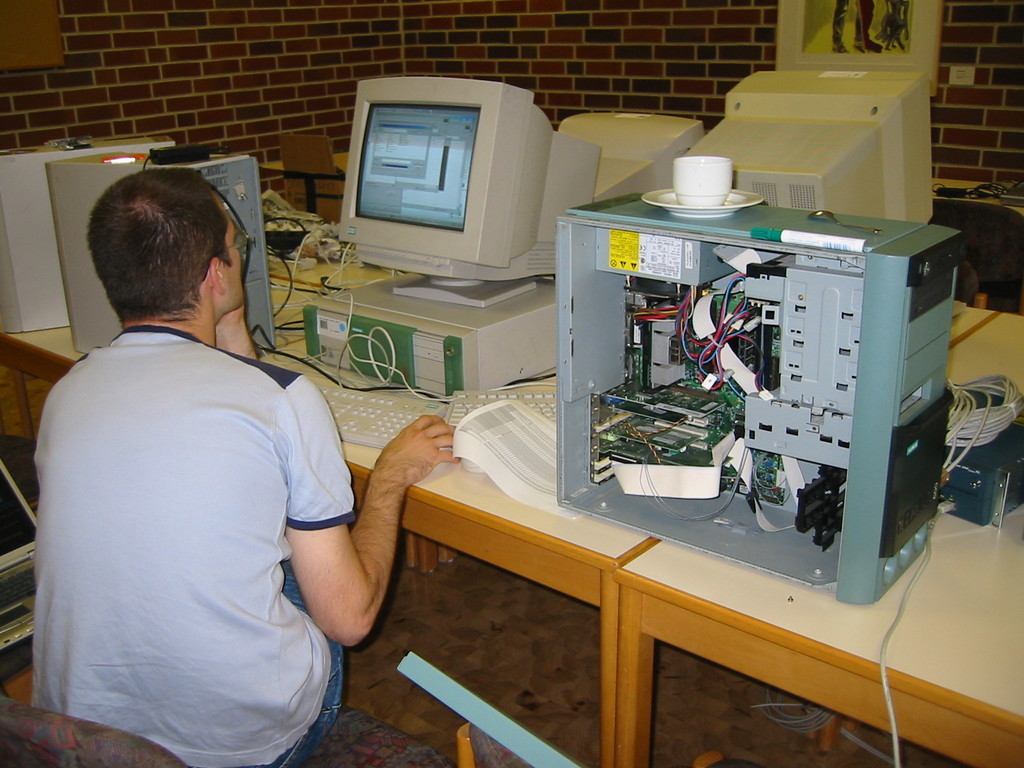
(75, 186)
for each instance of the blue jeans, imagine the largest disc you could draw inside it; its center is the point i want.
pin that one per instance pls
(297, 754)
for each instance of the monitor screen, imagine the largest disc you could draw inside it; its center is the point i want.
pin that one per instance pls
(415, 164)
(459, 179)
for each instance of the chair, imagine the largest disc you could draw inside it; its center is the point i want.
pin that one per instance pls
(475, 749)
(359, 740)
(312, 180)
(31, 737)
(16, 672)
(995, 251)
(716, 759)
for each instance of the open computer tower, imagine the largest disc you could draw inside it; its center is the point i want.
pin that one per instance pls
(780, 405)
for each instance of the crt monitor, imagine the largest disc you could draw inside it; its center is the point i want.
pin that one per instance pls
(857, 143)
(637, 150)
(459, 179)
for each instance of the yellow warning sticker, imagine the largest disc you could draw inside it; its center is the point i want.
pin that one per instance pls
(624, 250)
(649, 254)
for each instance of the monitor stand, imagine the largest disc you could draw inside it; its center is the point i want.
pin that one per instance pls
(469, 293)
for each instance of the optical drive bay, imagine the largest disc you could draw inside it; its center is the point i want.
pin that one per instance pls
(437, 346)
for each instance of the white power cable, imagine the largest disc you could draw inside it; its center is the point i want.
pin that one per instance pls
(884, 652)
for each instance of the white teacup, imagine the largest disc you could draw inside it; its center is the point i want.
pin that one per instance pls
(701, 181)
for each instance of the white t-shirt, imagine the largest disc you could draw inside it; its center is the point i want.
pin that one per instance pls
(168, 472)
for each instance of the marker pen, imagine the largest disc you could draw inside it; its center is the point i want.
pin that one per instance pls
(794, 237)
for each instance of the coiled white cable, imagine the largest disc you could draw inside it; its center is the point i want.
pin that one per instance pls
(971, 423)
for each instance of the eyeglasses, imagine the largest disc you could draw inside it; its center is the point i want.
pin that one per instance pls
(241, 241)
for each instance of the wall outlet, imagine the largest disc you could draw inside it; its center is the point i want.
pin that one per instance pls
(961, 75)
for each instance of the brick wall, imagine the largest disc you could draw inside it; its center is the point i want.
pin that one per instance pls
(203, 71)
(200, 72)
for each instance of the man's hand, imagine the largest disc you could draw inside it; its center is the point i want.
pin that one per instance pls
(344, 576)
(233, 336)
(413, 453)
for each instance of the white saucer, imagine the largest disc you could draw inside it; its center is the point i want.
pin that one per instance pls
(666, 198)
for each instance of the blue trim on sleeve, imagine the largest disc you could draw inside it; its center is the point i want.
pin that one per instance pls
(318, 525)
(281, 376)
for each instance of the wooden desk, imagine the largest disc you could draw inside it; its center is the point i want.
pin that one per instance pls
(990, 346)
(956, 676)
(955, 670)
(43, 355)
(790, 636)
(968, 320)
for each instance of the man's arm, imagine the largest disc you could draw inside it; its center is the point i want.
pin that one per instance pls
(344, 575)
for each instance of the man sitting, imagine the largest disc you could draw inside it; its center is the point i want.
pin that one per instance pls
(197, 571)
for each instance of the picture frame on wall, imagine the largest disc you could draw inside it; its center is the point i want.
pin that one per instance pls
(860, 35)
(30, 35)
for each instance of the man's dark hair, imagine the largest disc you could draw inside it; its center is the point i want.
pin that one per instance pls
(152, 235)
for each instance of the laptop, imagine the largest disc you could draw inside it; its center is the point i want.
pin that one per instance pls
(17, 553)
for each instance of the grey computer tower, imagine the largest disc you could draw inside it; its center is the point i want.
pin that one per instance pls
(780, 405)
(76, 184)
(31, 291)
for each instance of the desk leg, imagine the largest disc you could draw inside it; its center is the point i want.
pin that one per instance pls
(410, 549)
(634, 688)
(421, 553)
(609, 617)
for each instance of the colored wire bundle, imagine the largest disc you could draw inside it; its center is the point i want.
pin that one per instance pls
(733, 321)
(735, 316)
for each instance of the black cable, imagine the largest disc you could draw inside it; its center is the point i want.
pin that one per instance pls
(299, 358)
(291, 283)
(986, 190)
(530, 380)
(296, 222)
(319, 369)
(978, 192)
